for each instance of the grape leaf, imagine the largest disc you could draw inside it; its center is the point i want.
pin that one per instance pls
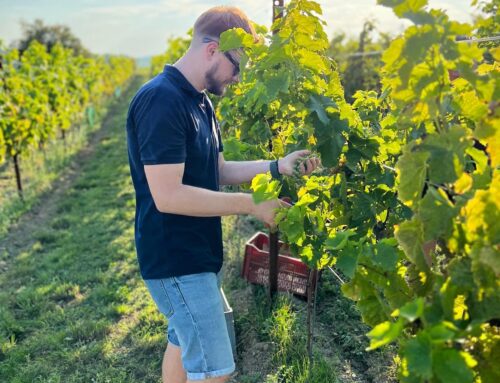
(418, 353)
(436, 213)
(410, 237)
(384, 333)
(264, 188)
(411, 167)
(450, 367)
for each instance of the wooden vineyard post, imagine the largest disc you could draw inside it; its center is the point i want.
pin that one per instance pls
(17, 170)
(312, 286)
(273, 235)
(273, 262)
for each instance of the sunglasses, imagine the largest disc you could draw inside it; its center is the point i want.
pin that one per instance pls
(236, 64)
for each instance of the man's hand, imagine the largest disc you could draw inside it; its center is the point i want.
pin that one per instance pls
(266, 211)
(286, 165)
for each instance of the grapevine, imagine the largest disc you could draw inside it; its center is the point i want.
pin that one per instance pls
(406, 206)
(43, 93)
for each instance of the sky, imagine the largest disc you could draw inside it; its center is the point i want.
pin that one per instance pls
(140, 28)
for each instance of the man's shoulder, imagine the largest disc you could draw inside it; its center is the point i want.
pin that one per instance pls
(156, 97)
(161, 88)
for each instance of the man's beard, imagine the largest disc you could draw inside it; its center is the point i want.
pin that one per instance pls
(214, 86)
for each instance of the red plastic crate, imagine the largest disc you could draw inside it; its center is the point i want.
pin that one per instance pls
(292, 272)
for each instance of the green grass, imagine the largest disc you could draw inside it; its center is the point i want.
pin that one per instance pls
(73, 307)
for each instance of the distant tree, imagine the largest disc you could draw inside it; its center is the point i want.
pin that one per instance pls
(50, 35)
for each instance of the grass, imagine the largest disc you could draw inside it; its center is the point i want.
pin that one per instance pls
(73, 307)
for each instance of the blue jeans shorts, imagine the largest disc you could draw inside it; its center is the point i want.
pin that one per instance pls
(196, 323)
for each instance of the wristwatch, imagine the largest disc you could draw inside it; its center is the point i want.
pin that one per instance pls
(275, 173)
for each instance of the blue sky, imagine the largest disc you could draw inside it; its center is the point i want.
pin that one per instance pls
(140, 28)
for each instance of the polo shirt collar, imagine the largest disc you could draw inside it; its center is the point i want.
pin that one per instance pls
(182, 82)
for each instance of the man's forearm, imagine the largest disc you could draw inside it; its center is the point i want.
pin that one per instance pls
(238, 172)
(199, 202)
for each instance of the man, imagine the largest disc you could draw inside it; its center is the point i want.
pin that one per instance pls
(177, 165)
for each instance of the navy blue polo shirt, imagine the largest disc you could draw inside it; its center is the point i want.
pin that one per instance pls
(170, 122)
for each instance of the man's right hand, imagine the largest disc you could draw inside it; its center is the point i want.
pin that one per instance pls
(266, 211)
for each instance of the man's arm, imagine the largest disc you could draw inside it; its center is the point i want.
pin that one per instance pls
(238, 172)
(172, 196)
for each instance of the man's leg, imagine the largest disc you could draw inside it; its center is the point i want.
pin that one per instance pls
(173, 372)
(172, 369)
(221, 379)
(199, 327)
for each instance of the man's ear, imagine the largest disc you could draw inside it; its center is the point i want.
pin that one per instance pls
(210, 49)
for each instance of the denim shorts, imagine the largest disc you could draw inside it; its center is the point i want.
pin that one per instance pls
(196, 323)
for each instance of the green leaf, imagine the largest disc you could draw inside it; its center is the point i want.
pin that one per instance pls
(338, 240)
(372, 311)
(447, 155)
(318, 104)
(411, 167)
(480, 158)
(436, 213)
(392, 55)
(490, 257)
(418, 353)
(277, 83)
(411, 5)
(310, 42)
(410, 237)
(411, 9)
(443, 332)
(233, 39)
(306, 199)
(482, 214)
(347, 261)
(306, 252)
(472, 108)
(384, 333)
(368, 147)
(330, 149)
(264, 188)
(411, 310)
(385, 256)
(293, 225)
(312, 60)
(235, 150)
(311, 6)
(459, 269)
(489, 369)
(450, 367)
(275, 56)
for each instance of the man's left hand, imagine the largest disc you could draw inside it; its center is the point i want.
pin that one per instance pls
(286, 165)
